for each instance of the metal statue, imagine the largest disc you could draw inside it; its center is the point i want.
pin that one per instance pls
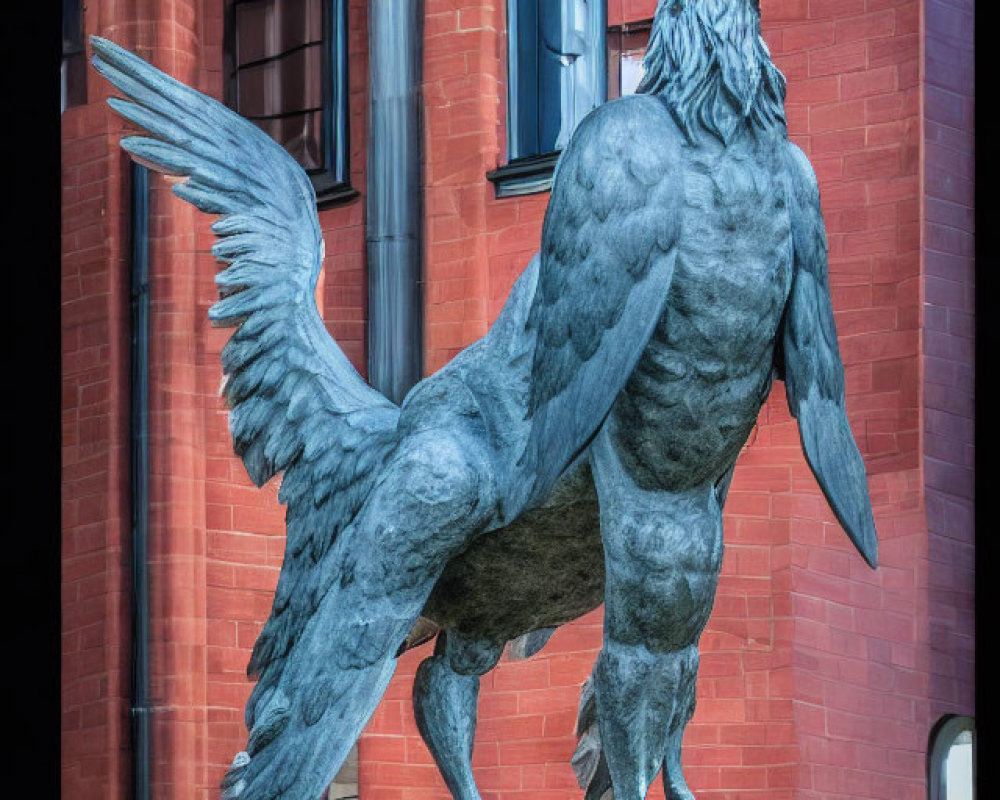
(579, 452)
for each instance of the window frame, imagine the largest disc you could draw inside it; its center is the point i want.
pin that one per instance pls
(532, 173)
(73, 64)
(332, 181)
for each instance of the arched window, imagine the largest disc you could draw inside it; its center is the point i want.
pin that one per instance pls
(951, 760)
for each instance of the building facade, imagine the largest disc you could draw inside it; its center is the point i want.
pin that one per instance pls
(819, 677)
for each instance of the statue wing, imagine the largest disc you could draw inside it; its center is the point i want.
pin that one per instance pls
(607, 260)
(809, 363)
(296, 403)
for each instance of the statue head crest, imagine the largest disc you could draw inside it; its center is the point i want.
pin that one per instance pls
(708, 61)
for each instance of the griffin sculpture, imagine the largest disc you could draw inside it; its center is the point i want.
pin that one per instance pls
(579, 452)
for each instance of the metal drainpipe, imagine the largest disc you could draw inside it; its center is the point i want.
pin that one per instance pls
(139, 481)
(393, 240)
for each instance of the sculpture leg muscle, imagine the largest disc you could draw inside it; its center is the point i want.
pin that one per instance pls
(445, 699)
(432, 500)
(663, 551)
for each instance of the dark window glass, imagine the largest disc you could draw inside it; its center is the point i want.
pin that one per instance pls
(540, 65)
(626, 49)
(555, 71)
(556, 76)
(270, 28)
(73, 72)
(286, 65)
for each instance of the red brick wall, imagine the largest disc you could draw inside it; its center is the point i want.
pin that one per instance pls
(216, 541)
(860, 637)
(94, 459)
(949, 347)
(819, 678)
(462, 57)
(95, 509)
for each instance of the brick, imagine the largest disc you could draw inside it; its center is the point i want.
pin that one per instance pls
(838, 59)
(807, 37)
(871, 82)
(867, 26)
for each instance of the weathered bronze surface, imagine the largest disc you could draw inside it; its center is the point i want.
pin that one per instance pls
(580, 452)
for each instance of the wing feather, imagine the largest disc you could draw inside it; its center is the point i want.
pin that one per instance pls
(297, 405)
(809, 362)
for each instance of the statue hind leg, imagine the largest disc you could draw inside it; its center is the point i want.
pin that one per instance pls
(591, 764)
(674, 785)
(445, 698)
(663, 551)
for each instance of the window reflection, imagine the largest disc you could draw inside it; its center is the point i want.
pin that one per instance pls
(278, 73)
(626, 49)
(286, 64)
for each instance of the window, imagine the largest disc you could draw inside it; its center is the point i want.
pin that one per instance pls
(555, 76)
(626, 50)
(286, 71)
(951, 761)
(73, 71)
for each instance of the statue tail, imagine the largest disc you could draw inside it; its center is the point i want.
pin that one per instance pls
(301, 737)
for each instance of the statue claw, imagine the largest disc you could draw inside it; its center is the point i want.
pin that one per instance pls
(674, 785)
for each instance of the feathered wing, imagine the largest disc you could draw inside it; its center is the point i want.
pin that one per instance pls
(809, 362)
(607, 260)
(296, 404)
